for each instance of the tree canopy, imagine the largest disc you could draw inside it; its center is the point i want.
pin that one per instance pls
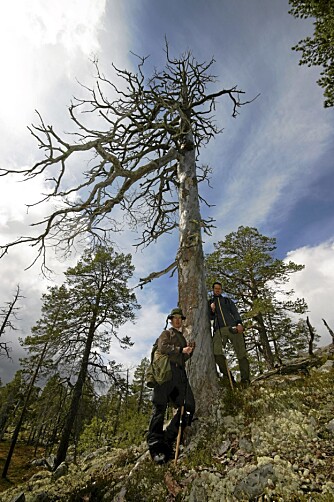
(80, 319)
(319, 49)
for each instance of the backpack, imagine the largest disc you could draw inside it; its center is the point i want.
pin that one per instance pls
(159, 369)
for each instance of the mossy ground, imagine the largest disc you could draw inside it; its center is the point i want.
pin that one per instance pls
(20, 469)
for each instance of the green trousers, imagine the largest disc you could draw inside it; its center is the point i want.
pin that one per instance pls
(220, 339)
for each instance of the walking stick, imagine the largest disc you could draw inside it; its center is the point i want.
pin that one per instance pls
(229, 376)
(178, 440)
(182, 413)
(227, 368)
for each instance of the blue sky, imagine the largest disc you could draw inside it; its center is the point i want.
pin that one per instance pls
(272, 166)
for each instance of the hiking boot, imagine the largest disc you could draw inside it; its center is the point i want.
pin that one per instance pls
(186, 435)
(159, 458)
(244, 383)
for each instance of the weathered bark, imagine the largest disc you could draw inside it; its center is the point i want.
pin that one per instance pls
(192, 291)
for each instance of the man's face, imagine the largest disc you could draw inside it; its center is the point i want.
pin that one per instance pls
(176, 321)
(217, 289)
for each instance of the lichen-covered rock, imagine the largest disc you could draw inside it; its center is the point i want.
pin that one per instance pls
(255, 482)
(330, 426)
(61, 470)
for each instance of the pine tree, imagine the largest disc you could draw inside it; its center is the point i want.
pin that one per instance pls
(244, 263)
(140, 392)
(98, 302)
(319, 49)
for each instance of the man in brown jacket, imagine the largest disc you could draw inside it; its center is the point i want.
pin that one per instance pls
(176, 390)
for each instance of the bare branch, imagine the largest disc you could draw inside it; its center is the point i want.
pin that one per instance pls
(130, 157)
(154, 275)
(6, 314)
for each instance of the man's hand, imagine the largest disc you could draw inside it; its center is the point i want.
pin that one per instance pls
(213, 307)
(188, 350)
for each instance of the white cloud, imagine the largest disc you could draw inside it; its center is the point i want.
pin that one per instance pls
(316, 284)
(48, 41)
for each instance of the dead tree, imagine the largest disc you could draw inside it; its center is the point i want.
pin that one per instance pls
(329, 329)
(312, 334)
(6, 316)
(142, 159)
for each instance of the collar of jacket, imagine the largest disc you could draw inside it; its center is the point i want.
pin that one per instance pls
(175, 330)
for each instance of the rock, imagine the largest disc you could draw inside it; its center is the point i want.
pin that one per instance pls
(120, 497)
(96, 453)
(38, 462)
(198, 492)
(224, 447)
(330, 426)
(41, 497)
(19, 498)
(228, 421)
(61, 470)
(40, 475)
(327, 367)
(51, 461)
(252, 486)
(246, 445)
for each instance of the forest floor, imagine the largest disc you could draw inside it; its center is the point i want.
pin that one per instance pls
(20, 469)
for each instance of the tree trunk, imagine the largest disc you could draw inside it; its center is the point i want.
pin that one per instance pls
(311, 340)
(77, 393)
(118, 414)
(57, 420)
(329, 329)
(276, 348)
(141, 394)
(267, 352)
(191, 282)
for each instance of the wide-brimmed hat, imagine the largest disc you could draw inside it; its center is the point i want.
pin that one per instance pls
(176, 311)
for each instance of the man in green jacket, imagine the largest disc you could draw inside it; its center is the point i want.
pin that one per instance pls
(227, 326)
(176, 390)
